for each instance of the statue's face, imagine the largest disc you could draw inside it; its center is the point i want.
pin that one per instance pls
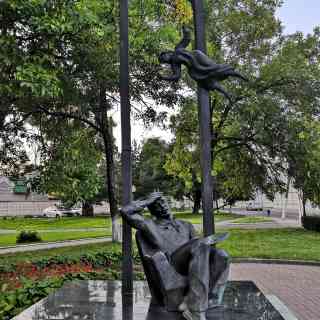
(160, 209)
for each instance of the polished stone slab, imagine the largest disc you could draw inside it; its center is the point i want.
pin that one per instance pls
(102, 300)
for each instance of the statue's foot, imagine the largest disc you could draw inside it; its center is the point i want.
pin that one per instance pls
(194, 315)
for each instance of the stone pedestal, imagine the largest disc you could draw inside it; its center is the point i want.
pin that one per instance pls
(102, 300)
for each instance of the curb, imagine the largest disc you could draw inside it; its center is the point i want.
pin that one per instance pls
(276, 261)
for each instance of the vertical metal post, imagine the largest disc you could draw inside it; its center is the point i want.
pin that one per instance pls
(205, 126)
(127, 269)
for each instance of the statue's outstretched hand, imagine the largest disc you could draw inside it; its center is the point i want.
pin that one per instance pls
(141, 204)
(154, 196)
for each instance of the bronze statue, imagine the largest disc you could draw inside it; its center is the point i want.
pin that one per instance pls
(185, 268)
(200, 67)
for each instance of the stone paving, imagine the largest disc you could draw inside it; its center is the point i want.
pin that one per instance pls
(296, 286)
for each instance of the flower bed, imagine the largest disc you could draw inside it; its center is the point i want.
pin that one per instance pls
(24, 283)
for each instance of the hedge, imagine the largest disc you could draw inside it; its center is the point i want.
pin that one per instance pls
(311, 223)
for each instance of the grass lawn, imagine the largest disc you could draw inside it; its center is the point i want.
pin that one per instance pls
(197, 218)
(292, 244)
(77, 223)
(89, 222)
(252, 220)
(10, 239)
(53, 223)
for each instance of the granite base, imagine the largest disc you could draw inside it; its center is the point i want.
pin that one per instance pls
(103, 300)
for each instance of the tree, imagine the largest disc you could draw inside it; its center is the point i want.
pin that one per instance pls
(149, 172)
(183, 161)
(70, 169)
(61, 60)
(252, 135)
(303, 164)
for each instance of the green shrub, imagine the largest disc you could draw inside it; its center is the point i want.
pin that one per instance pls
(311, 223)
(28, 236)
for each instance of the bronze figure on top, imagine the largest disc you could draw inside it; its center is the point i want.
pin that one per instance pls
(200, 67)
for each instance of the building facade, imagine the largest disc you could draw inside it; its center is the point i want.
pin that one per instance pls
(17, 200)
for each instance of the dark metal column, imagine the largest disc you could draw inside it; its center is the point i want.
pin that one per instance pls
(127, 273)
(205, 125)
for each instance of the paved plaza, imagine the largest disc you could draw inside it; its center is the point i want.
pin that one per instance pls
(298, 287)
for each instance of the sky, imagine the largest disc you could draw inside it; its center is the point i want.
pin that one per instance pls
(300, 15)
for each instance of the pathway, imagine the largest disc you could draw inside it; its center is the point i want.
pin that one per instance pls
(11, 231)
(51, 245)
(297, 286)
(292, 214)
(276, 223)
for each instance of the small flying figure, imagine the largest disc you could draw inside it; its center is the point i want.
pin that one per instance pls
(200, 67)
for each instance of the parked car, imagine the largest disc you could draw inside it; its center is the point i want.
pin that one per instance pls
(52, 212)
(59, 211)
(71, 211)
(254, 207)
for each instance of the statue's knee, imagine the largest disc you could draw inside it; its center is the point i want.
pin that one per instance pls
(200, 248)
(223, 256)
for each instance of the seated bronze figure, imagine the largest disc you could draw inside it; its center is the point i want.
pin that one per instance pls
(200, 67)
(184, 272)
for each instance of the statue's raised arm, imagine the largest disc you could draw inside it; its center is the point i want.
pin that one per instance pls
(133, 212)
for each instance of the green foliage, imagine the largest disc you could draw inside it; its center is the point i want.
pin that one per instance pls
(259, 133)
(97, 259)
(149, 172)
(28, 236)
(71, 170)
(303, 163)
(13, 302)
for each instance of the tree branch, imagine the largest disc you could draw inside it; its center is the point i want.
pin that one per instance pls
(70, 116)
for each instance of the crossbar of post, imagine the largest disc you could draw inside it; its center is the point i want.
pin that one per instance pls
(204, 115)
(126, 168)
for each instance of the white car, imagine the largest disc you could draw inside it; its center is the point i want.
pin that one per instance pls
(254, 207)
(58, 212)
(72, 211)
(52, 212)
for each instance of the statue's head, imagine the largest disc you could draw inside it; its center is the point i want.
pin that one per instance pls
(166, 57)
(159, 208)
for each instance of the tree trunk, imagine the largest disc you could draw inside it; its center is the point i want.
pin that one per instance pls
(300, 196)
(110, 184)
(196, 202)
(110, 169)
(196, 193)
(304, 200)
(285, 202)
(87, 209)
(116, 229)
